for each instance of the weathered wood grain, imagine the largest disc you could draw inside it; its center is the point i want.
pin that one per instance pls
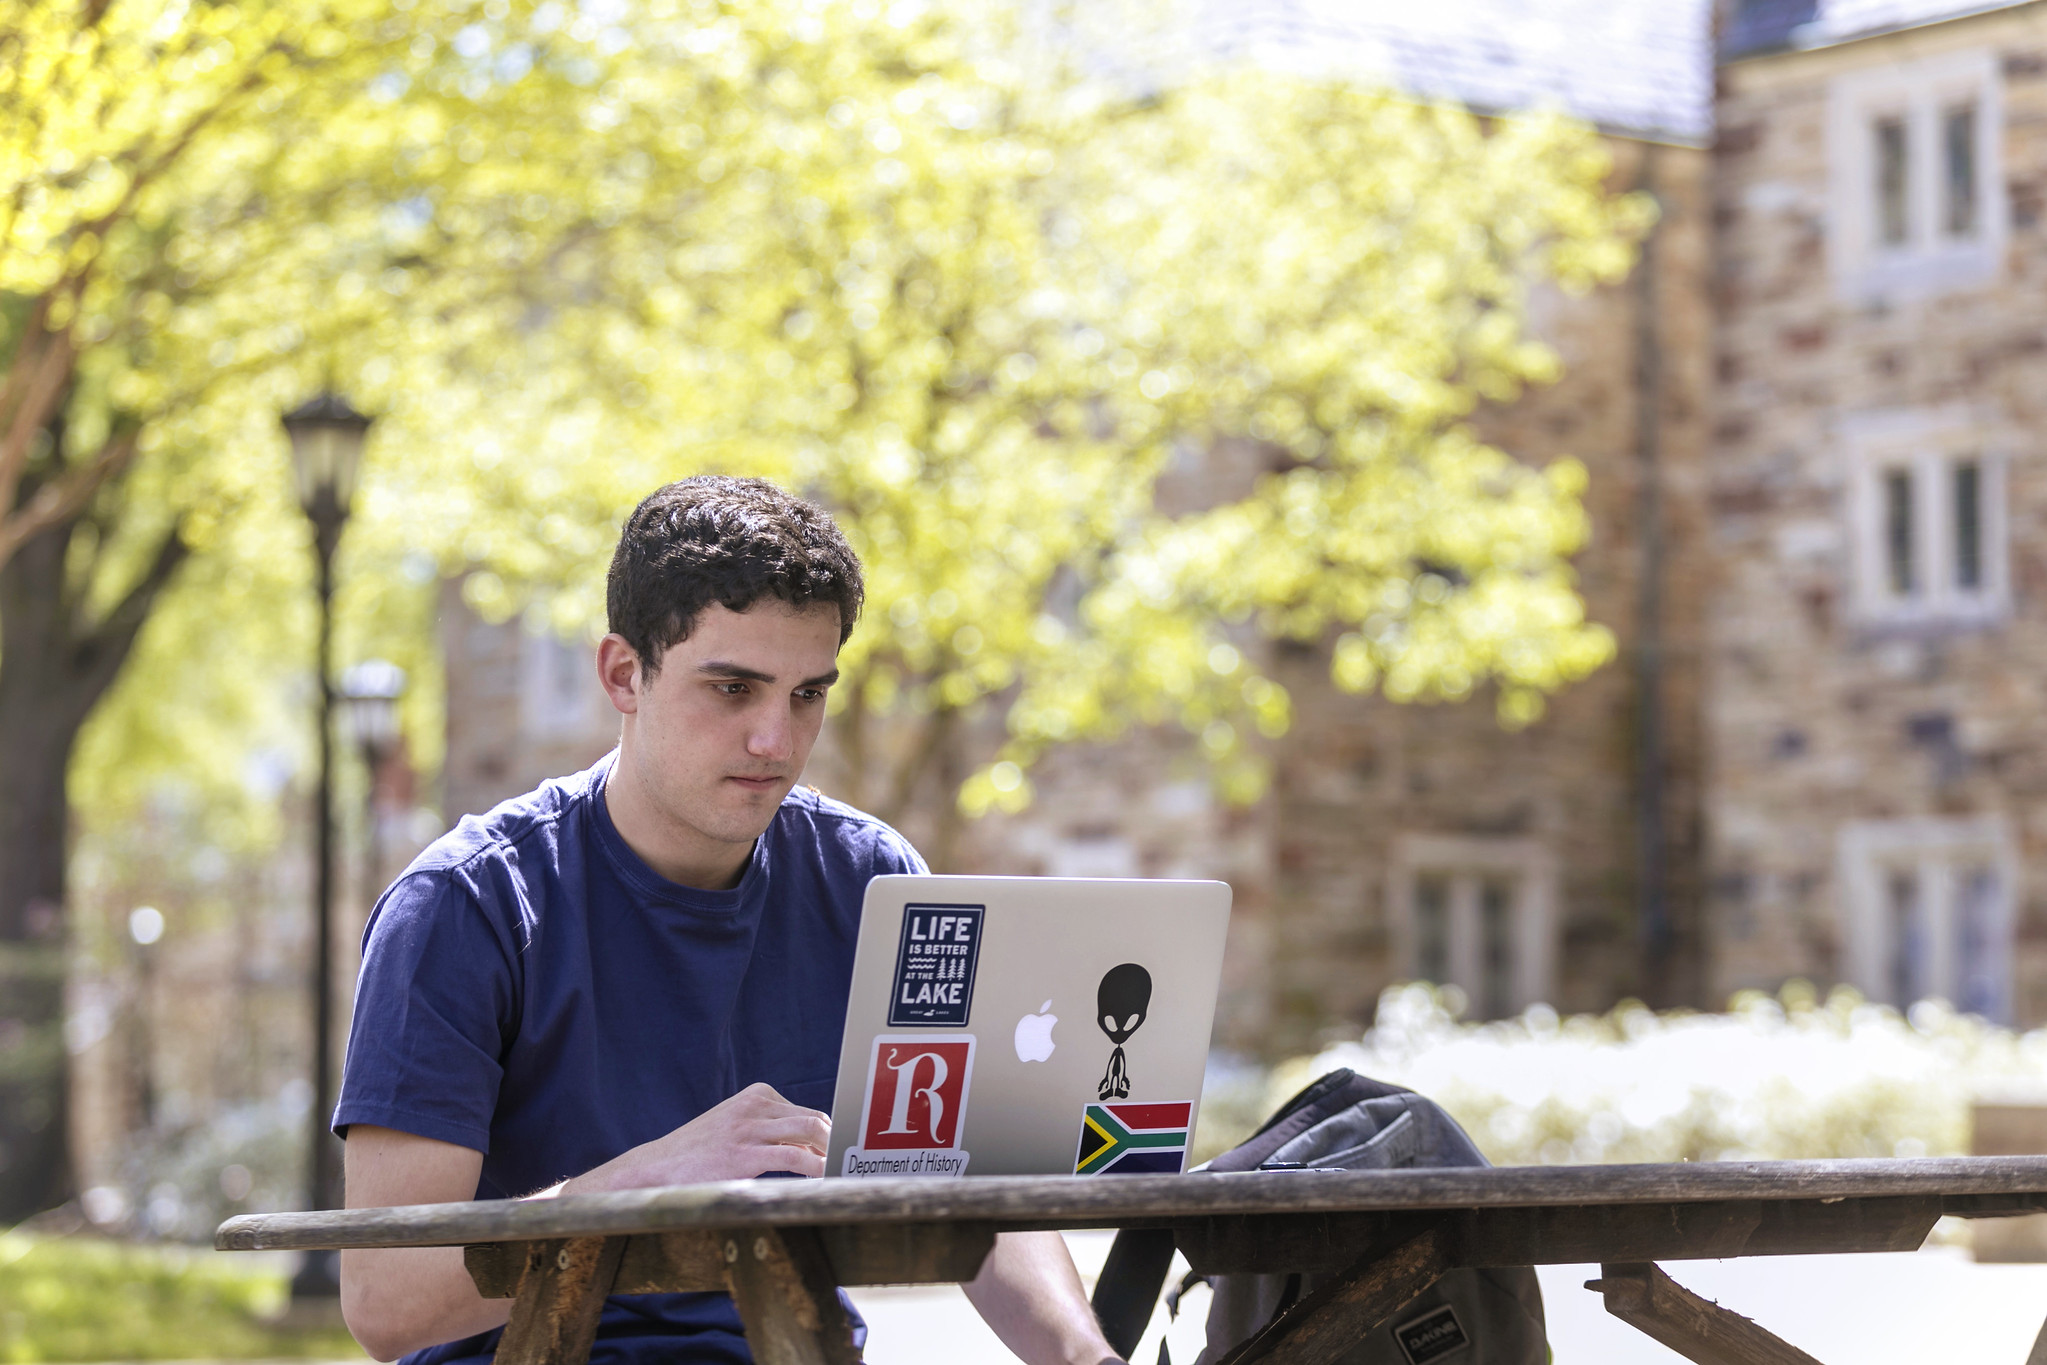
(1968, 1185)
(787, 1298)
(1698, 1329)
(671, 1263)
(1569, 1234)
(907, 1253)
(652, 1263)
(1314, 1243)
(694, 1262)
(497, 1267)
(1325, 1326)
(1322, 1243)
(1813, 1227)
(561, 1296)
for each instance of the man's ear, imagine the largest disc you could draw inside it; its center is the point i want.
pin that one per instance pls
(618, 669)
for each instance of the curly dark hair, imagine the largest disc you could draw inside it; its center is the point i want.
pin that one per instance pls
(714, 538)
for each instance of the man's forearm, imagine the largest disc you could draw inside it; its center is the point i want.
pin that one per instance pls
(1030, 1294)
(400, 1299)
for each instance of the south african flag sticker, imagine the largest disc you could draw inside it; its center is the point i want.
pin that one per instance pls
(1133, 1139)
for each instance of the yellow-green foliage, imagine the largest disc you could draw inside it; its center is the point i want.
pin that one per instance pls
(81, 1299)
(978, 303)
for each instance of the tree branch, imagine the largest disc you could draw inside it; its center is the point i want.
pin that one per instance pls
(63, 498)
(852, 733)
(97, 658)
(937, 733)
(35, 386)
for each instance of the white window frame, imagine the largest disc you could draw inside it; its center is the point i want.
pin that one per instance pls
(1467, 860)
(1929, 444)
(1929, 261)
(1931, 848)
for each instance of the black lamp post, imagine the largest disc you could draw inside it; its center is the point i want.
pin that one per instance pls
(369, 716)
(326, 451)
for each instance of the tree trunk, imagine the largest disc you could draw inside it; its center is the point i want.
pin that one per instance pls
(54, 668)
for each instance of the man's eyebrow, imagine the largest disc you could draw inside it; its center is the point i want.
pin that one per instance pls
(719, 668)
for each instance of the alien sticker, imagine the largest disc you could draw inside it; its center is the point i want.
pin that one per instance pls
(1120, 1005)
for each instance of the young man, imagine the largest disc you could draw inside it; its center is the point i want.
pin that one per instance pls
(638, 975)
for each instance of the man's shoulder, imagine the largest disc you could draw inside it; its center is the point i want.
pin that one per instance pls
(808, 815)
(499, 833)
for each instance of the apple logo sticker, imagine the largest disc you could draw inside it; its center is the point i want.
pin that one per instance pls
(1034, 1034)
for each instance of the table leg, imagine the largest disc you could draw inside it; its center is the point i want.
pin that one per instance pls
(1327, 1324)
(561, 1296)
(788, 1298)
(1642, 1296)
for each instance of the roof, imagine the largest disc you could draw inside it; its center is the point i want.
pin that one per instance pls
(1757, 26)
(1638, 67)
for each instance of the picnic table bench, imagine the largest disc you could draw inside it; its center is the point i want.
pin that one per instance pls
(782, 1247)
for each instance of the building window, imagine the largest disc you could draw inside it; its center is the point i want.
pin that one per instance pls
(1898, 537)
(560, 694)
(1475, 913)
(1892, 209)
(1914, 155)
(1929, 911)
(1960, 198)
(1967, 508)
(1927, 507)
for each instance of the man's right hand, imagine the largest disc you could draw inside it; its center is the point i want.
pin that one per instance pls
(754, 1132)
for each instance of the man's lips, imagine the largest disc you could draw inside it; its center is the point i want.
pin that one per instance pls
(755, 784)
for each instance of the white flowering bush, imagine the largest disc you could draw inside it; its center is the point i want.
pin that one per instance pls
(1774, 1077)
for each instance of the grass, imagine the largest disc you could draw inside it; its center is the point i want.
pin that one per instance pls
(93, 1299)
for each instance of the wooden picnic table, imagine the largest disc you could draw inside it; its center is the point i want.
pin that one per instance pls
(782, 1247)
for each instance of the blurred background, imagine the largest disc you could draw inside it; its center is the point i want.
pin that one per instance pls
(1540, 495)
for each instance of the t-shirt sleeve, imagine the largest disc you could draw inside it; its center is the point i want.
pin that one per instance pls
(434, 1007)
(893, 853)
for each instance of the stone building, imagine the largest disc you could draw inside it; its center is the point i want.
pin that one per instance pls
(1877, 635)
(1817, 536)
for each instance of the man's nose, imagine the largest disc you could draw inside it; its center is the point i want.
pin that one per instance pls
(772, 736)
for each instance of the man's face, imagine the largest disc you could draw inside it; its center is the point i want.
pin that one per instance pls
(721, 731)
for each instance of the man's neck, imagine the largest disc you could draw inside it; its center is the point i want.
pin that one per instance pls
(677, 853)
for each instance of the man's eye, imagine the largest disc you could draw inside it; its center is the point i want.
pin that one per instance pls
(731, 689)
(810, 693)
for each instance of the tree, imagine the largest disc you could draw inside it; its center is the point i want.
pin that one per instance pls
(982, 310)
(1364, 293)
(203, 210)
(565, 255)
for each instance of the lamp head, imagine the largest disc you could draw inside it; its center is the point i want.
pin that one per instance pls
(369, 696)
(326, 453)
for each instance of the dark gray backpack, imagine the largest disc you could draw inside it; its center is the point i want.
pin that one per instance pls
(1343, 1121)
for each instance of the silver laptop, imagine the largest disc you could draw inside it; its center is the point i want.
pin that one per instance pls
(1027, 1026)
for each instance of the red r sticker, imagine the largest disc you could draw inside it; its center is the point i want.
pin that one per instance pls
(916, 1092)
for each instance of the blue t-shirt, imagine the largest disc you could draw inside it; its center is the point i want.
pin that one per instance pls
(533, 990)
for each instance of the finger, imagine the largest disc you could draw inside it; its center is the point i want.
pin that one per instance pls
(810, 1130)
(773, 1106)
(783, 1156)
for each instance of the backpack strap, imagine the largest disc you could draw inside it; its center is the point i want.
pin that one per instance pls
(1129, 1286)
(1140, 1257)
